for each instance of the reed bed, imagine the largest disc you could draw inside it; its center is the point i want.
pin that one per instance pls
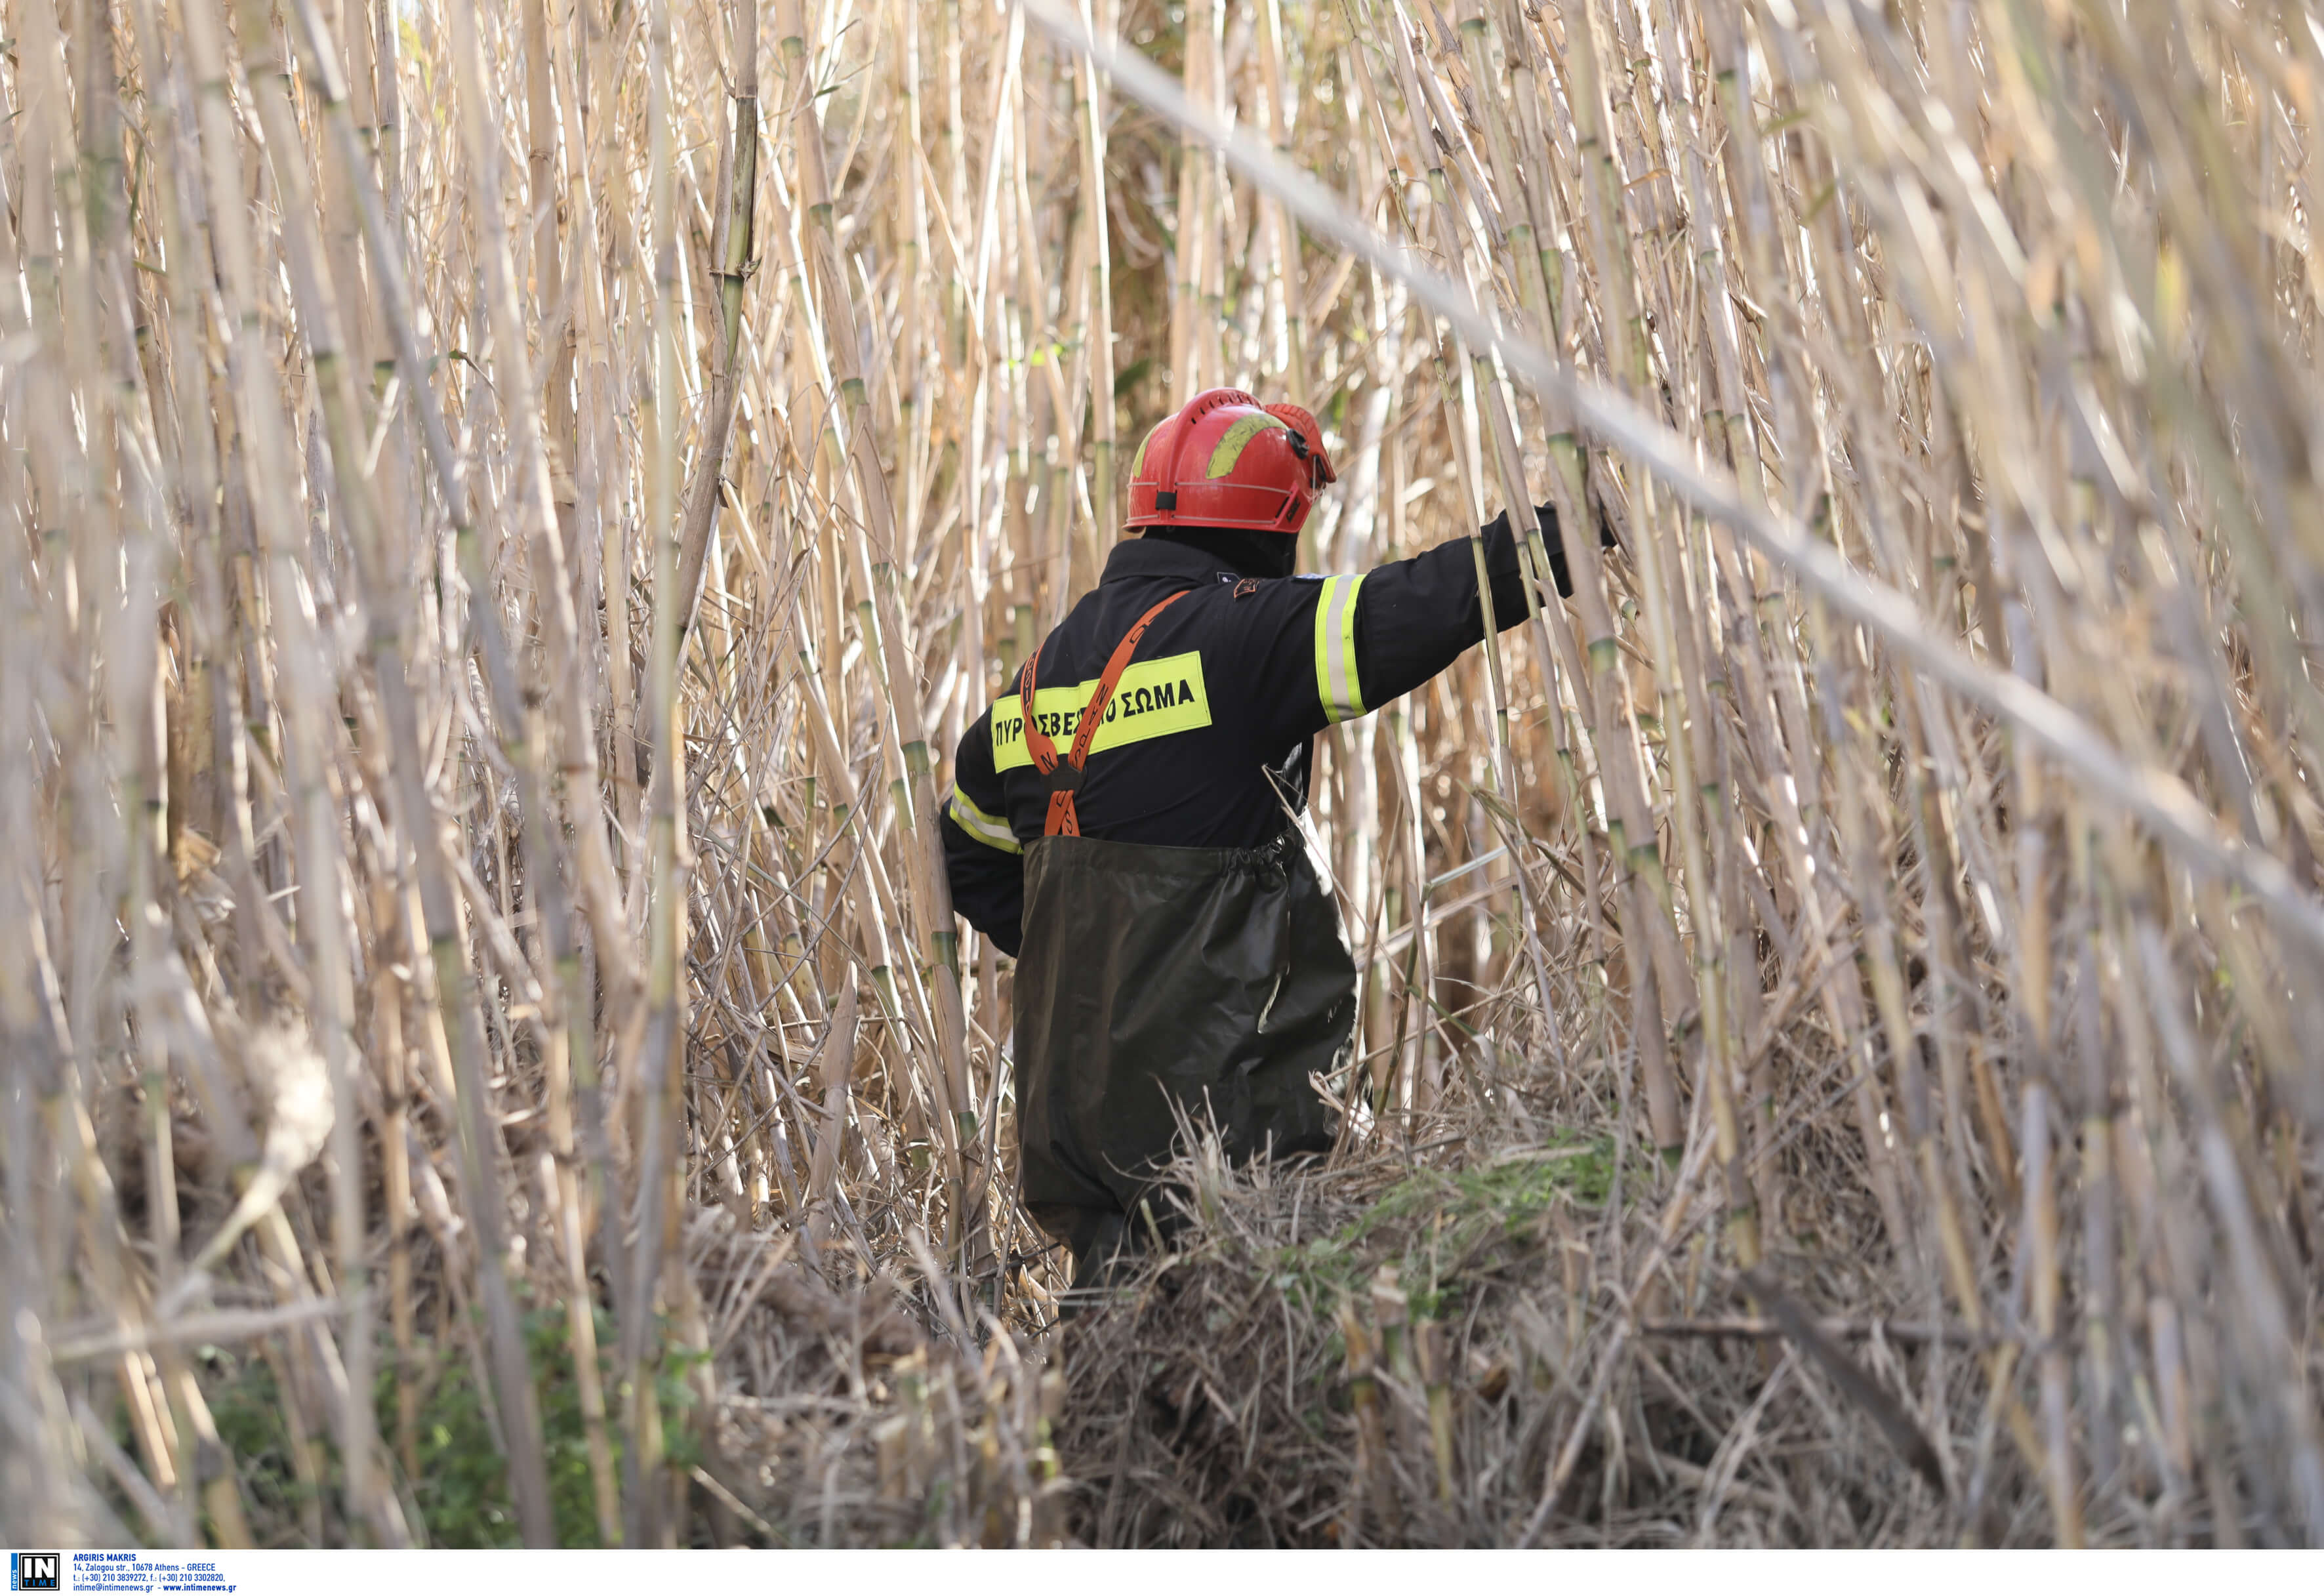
(512, 505)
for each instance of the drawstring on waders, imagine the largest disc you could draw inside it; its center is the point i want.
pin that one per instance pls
(1065, 776)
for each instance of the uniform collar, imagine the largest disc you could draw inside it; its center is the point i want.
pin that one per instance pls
(1158, 556)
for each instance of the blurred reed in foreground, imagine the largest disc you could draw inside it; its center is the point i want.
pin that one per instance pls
(511, 507)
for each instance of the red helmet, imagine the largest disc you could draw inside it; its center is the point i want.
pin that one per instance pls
(1225, 461)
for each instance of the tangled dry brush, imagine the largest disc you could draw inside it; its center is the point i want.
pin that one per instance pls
(511, 503)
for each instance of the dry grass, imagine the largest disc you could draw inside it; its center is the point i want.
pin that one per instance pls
(1383, 1355)
(510, 508)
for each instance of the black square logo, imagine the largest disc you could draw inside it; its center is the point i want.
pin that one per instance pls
(36, 1571)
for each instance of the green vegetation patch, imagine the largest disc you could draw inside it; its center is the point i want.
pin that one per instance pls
(459, 1492)
(1441, 1227)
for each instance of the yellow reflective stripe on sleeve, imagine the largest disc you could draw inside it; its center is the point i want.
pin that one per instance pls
(1336, 683)
(983, 828)
(1154, 698)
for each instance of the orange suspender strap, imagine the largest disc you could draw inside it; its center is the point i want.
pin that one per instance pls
(1065, 777)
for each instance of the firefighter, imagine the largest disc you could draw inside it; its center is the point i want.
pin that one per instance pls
(1119, 820)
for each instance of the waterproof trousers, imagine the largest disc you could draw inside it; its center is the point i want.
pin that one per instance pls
(1152, 980)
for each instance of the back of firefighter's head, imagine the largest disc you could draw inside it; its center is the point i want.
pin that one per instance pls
(1226, 464)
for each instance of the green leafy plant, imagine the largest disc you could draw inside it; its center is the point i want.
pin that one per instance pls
(1436, 1225)
(461, 1490)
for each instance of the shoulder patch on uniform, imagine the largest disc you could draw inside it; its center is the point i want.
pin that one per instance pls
(1246, 587)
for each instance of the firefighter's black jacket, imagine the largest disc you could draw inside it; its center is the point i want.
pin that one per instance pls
(1229, 688)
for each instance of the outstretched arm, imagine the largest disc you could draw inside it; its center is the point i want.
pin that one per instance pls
(1364, 639)
(1411, 618)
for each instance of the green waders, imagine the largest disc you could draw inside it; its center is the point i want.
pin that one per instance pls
(1214, 980)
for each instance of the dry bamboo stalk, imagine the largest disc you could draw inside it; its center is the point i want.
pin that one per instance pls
(1997, 385)
(734, 210)
(931, 924)
(1641, 920)
(1519, 500)
(320, 920)
(660, 1063)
